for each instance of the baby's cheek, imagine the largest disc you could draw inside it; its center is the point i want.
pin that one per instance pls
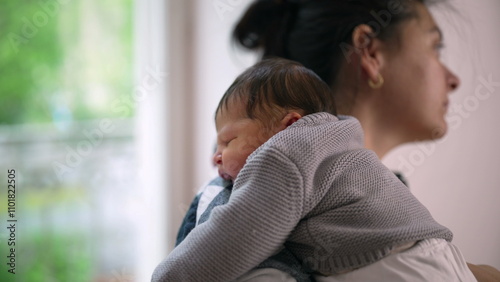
(246, 150)
(233, 167)
(263, 135)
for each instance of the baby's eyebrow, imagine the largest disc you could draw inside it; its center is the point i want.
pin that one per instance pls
(223, 131)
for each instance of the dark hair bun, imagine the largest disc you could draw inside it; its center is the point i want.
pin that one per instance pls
(315, 32)
(264, 24)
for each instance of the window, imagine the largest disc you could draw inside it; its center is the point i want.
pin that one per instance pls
(67, 128)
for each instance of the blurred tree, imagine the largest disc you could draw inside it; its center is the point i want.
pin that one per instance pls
(26, 47)
(64, 60)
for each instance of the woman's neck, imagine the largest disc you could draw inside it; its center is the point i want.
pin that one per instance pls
(380, 137)
(377, 142)
(382, 133)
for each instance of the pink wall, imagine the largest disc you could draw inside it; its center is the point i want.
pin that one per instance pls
(458, 177)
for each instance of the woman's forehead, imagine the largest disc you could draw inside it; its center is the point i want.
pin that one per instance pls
(424, 19)
(415, 31)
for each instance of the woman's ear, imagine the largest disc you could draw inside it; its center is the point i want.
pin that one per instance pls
(289, 119)
(369, 50)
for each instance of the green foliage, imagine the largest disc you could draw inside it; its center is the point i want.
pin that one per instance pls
(24, 50)
(63, 60)
(44, 257)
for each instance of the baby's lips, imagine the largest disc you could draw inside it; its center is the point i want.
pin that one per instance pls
(224, 176)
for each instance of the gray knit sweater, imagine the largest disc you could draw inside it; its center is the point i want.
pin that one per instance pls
(314, 186)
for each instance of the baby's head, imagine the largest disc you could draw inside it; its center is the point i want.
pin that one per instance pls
(262, 101)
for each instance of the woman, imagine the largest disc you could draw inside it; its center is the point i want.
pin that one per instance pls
(381, 59)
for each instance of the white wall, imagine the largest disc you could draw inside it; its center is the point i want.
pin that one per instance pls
(457, 178)
(164, 118)
(217, 63)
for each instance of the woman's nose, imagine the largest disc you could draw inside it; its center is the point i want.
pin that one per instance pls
(452, 80)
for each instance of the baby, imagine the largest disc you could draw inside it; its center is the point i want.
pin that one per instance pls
(303, 180)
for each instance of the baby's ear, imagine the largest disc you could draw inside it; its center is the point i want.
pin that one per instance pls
(289, 119)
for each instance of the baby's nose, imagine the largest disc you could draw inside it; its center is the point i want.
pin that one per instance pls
(217, 159)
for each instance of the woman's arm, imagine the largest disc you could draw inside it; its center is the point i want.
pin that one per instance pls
(189, 221)
(209, 197)
(484, 273)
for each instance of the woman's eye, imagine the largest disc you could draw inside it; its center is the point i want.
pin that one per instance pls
(439, 47)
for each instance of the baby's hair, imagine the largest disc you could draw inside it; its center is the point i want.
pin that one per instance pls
(277, 85)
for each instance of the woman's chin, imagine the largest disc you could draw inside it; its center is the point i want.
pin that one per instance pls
(439, 132)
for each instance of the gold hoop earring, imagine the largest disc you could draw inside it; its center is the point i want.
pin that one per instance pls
(378, 84)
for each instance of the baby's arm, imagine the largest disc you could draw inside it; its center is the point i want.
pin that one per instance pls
(264, 208)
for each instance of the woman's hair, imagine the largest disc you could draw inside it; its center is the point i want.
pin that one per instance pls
(317, 33)
(274, 86)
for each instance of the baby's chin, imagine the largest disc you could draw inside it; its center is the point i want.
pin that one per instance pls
(226, 176)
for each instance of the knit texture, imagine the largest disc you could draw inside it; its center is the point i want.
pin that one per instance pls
(284, 260)
(314, 186)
